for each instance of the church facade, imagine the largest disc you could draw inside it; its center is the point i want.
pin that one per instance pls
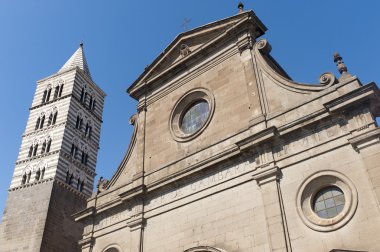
(55, 168)
(230, 154)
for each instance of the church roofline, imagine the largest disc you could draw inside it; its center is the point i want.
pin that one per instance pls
(261, 28)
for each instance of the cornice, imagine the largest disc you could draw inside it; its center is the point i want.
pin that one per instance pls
(50, 102)
(44, 130)
(30, 184)
(26, 160)
(70, 189)
(78, 164)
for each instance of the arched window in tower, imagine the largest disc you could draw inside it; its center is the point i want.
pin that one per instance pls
(91, 100)
(85, 98)
(90, 132)
(82, 94)
(80, 124)
(81, 186)
(30, 151)
(88, 129)
(83, 157)
(67, 176)
(77, 122)
(38, 174)
(93, 105)
(78, 183)
(37, 123)
(28, 176)
(35, 148)
(43, 147)
(71, 179)
(56, 92)
(55, 117)
(42, 122)
(48, 144)
(42, 174)
(44, 96)
(23, 180)
(72, 149)
(48, 95)
(60, 90)
(50, 119)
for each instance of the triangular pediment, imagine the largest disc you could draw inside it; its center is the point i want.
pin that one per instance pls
(191, 43)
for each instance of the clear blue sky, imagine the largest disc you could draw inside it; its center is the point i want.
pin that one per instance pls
(122, 37)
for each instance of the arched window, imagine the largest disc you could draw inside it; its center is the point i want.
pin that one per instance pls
(44, 96)
(48, 144)
(23, 180)
(93, 105)
(28, 177)
(38, 174)
(83, 157)
(43, 147)
(85, 98)
(71, 179)
(35, 148)
(55, 117)
(90, 105)
(37, 123)
(42, 122)
(48, 95)
(77, 122)
(89, 132)
(42, 174)
(56, 92)
(82, 94)
(78, 183)
(111, 250)
(80, 124)
(67, 177)
(30, 151)
(60, 90)
(81, 186)
(50, 119)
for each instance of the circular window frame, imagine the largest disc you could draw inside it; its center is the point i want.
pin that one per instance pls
(182, 106)
(310, 188)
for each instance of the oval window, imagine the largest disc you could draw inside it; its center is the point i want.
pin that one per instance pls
(329, 202)
(195, 117)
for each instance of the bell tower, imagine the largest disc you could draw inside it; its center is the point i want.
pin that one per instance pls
(55, 168)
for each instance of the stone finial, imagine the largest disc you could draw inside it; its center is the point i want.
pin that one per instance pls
(341, 66)
(81, 44)
(241, 7)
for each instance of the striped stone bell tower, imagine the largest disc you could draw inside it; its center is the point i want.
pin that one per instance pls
(55, 168)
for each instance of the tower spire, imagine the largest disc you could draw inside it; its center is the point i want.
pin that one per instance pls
(78, 59)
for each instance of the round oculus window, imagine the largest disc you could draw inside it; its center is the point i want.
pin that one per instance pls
(326, 200)
(195, 117)
(329, 202)
(191, 114)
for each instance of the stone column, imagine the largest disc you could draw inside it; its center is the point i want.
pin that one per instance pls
(136, 224)
(268, 179)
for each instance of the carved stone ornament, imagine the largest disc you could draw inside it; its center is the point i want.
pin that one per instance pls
(102, 184)
(185, 50)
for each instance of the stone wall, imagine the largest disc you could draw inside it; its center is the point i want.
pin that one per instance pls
(24, 218)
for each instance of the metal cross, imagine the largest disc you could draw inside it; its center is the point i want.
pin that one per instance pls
(185, 24)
